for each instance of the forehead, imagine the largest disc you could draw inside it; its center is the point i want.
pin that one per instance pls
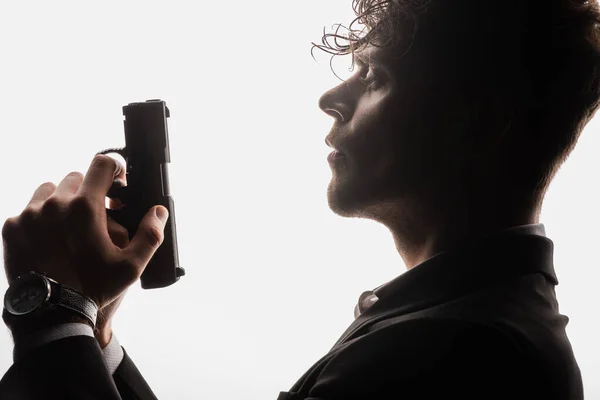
(384, 56)
(368, 53)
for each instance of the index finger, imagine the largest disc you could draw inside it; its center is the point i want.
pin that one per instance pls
(99, 178)
(122, 171)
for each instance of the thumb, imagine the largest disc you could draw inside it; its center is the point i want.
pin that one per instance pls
(147, 239)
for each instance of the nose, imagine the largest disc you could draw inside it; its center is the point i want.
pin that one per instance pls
(337, 102)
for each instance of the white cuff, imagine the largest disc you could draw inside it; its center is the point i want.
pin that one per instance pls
(51, 334)
(113, 354)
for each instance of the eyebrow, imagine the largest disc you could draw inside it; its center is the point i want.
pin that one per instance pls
(372, 60)
(361, 59)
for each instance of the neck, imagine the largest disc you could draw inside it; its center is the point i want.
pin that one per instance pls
(421, 231)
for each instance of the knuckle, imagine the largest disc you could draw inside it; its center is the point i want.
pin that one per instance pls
(11, 225)
(81, 205)
(30, 213)
(76, 174)
(48, 185)
(103, 161)
(155, 236)
(53, 205)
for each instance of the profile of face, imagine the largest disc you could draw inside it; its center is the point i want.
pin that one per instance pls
(391, 125)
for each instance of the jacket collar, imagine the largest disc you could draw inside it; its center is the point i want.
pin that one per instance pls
(522, 249)
(494, 258)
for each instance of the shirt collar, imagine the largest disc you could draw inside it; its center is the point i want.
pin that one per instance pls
(515, 249)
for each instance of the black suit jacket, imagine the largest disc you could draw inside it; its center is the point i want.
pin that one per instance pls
(478, 322)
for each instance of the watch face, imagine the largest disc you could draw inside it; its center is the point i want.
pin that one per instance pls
(25, 296)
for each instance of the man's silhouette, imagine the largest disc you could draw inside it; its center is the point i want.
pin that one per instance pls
(458, 117)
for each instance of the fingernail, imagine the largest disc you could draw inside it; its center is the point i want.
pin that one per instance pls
(162, 213)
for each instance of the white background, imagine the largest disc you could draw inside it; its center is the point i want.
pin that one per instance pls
(272, 273)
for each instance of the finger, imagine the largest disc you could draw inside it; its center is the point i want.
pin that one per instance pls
(115, 204)
(118, 234)
(122, 171)
(42, 193)
(120, 180)
(99, 178)
(147, 240)
(69, 186)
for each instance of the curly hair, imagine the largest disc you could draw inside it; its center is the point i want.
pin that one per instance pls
(543, 55)
(384, 23)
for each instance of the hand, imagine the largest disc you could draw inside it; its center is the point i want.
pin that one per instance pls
(64, 233)
(120, 237)
(103, 331)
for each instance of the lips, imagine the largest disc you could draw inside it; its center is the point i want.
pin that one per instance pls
(335, 156)
(330, 142)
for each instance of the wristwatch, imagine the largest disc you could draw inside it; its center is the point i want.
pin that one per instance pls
(33, 295)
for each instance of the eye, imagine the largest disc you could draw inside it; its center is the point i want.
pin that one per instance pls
(371, 78)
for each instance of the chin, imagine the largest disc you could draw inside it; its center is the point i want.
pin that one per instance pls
(349, 197)
(358, 196)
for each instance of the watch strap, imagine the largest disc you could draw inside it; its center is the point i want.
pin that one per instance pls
(63, 304)
(72, 300)
(42, 318)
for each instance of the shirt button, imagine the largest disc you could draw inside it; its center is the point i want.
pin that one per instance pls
(366, 300)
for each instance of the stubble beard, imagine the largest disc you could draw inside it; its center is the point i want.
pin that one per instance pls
(356, 192)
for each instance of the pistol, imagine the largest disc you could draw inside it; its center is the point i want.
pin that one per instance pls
(147, 155)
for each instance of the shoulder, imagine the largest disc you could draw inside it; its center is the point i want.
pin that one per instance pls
(435, 337)
(429, 354)
(447, 337)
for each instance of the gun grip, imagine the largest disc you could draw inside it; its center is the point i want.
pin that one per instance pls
(130, 218)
